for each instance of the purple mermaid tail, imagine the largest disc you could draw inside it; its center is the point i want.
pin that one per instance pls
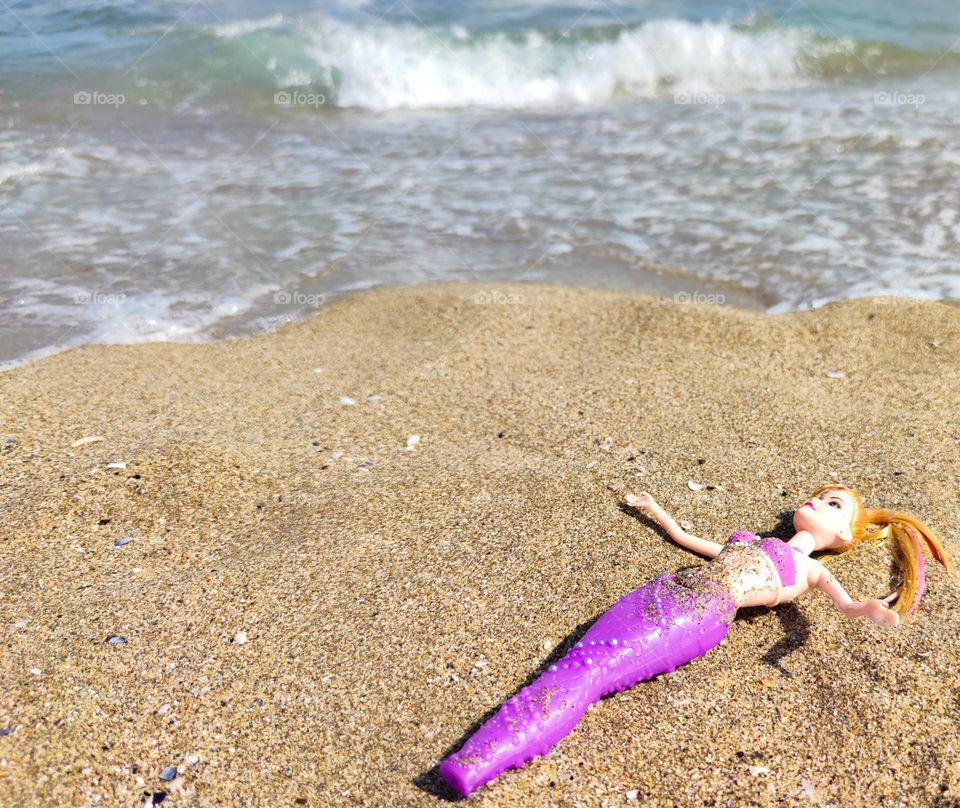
(653, 630)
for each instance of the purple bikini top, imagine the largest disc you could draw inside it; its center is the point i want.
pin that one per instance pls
(779, 551)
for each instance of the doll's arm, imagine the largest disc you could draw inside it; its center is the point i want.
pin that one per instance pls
(876, 610)
(708, 548)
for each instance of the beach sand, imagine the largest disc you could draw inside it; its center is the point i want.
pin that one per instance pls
(305, 627)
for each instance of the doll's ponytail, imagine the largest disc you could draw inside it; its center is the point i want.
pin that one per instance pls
(910, 535)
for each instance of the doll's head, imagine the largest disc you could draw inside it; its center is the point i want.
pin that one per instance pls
(828, 517)
(849, 522)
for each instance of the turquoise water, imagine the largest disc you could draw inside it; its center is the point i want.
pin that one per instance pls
(188, 171)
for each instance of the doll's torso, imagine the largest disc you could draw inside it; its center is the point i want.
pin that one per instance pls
(755, 571)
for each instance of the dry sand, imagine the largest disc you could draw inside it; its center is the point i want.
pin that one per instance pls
(302, 630)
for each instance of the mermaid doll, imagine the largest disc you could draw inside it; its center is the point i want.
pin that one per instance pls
(678, 617)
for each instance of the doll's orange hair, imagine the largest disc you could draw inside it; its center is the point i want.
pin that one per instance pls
(907, 531)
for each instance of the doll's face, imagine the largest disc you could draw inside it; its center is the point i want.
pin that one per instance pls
(828, 518)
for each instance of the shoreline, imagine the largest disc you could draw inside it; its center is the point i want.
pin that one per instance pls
(657, 285)
(240, 328)
(316, 609)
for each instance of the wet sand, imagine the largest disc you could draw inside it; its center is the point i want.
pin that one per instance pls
(316, 609)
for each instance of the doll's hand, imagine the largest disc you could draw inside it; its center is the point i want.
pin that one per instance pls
(643, 501)
(878, 611)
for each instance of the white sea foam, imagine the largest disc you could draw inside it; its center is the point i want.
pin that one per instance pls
(394, 67)
(16, 173)
(117, 317)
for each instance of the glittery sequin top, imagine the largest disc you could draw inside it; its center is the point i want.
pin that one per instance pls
(779, 552)
(748, 564)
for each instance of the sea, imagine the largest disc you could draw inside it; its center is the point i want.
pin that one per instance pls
(189, 171)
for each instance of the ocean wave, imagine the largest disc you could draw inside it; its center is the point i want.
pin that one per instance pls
(325, 62)
(412, 68)
(380, 67)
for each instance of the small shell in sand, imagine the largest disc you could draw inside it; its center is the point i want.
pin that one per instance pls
(84, 441)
